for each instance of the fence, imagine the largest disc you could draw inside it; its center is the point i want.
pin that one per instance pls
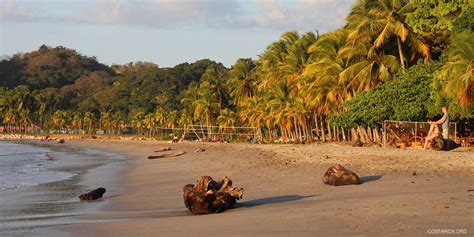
(410, 132)
(203, 133)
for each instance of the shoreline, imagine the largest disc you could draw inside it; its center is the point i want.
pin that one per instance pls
(283, 187)
(36, 209)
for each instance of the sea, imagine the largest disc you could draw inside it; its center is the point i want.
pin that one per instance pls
(40, 183)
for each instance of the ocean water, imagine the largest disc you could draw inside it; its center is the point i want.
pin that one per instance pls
(25, 165)
(40, 183)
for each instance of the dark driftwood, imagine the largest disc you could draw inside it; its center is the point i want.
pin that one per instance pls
(338, 175)
(437, 143)
(179, 153)
(92, 195)
(208, 196)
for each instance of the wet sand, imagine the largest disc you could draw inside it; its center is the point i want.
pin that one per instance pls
(284, 195)
(26, 211)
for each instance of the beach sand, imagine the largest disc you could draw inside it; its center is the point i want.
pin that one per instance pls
(284, 195)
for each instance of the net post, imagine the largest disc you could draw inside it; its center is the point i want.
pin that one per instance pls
(455, 132)
(416, 132)
(384, 133)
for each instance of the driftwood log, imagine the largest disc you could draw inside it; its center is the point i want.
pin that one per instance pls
(208, 196)
(437, 143)
(337, 175)
(179, 153)
(163, 148)
(92, 195)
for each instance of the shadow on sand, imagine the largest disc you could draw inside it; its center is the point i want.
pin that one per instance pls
(272, 200)
(369, 178)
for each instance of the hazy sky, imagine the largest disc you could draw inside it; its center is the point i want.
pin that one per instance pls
(166, 32)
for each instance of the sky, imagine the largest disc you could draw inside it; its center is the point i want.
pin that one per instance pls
(165, 32)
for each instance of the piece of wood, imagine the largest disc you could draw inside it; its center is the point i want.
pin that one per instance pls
(163, 148)
(179, 153)
(92, 195)
(208, 196)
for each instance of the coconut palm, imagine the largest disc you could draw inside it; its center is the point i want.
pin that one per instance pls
(205, 107)
(105, 120)
(458, 71)
(88, 120)
(160, 116)
(59, 119)
(361, 73)
(377, 22)
(117, 122)
(10, 119)
(137, 121)
(149, 122)
(242, 80)
(226, 119)
(172, 119)
(214, 80)
(77, 121)
(24, 119)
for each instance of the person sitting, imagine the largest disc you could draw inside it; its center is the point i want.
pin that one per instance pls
(433, 133)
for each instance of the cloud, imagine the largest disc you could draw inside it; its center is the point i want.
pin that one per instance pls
(162, 13)
(12, 11)
(303, 14)
(171, 14)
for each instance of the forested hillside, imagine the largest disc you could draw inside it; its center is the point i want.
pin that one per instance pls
(392, 60)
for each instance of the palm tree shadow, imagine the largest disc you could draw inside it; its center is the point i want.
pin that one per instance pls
(272, 200)
(369, 178)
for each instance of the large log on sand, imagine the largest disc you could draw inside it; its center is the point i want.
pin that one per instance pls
(208, 196)
(337, 175)
(179, 153)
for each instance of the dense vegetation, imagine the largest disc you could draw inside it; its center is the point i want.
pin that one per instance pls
(392, 60)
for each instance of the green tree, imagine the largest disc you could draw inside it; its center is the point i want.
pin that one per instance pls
(458, 71)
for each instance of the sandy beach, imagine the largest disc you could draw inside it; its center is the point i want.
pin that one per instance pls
(284, 195)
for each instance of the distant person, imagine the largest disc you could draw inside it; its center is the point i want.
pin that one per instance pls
(433, 133)
(434, 126)
(445, 123)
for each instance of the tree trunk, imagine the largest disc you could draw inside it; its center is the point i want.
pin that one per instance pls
(329, 131)
(400, 52)
(369, 132)
(361, 135)
(323, 135)
(317, 126)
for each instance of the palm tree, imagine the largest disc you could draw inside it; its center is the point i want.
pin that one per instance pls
(204, 108)
(105, 119)
(378, 21)
(149, 122)
(242, 79)
(172, 119)
(24, 119)
(88, 120)
(253, 113)
(59, 119)
(160, 116)
(226, 120)
(214, 80)
(10, 118)
(77, 121)
(361, 73)
(458, 71)
(137, 121)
